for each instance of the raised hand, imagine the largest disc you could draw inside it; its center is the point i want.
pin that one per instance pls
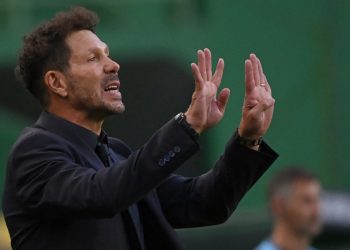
(206, 108)
(258, 103)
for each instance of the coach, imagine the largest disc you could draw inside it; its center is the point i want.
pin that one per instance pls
(70, 186)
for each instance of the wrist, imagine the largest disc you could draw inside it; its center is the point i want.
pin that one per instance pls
(183, 121)
(250, 133)
(193, 122)
(249, 142)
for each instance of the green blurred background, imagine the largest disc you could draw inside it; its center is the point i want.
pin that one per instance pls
(303, 45)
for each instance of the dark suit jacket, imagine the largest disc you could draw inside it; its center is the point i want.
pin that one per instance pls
(59, 195)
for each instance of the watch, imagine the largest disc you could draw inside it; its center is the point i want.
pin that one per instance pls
(248, 142)
(180, 118)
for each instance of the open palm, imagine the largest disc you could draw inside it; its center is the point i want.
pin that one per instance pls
(258, 103)
(207, 108)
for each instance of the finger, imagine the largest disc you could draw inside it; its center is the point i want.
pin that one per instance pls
(223, 99)
(255, 69)
(268, 88)
(261, 72)
(197, 76)
(249, 77)
(201, 64)
(208, 65)
(219, 71)
(262, 76)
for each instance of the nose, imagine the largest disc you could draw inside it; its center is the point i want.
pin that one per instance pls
(111, 66)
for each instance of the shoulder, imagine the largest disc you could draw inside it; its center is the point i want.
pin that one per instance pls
(35, 136)
(266, 245)
(33, 140)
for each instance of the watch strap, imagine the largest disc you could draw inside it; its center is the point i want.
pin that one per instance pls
(180, 118)
(248, 142)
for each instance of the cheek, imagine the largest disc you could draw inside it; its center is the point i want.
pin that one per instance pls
(305, 212)
(93, 94)
(85, 86)
(296, 212)
(85, 93)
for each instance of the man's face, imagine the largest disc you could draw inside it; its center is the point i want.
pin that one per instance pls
(300, 210)
(93, 83)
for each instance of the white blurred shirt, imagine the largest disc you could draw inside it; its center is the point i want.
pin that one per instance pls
(269, 245)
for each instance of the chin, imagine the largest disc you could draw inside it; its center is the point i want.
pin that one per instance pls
(116, 109)
(120, 109)
(313, 231)
(317, 230)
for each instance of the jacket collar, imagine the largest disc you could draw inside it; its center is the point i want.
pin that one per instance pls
(68, 130)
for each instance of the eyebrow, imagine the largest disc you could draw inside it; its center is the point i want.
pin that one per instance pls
(105, 49)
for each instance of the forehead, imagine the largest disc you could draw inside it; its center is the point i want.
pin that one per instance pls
(83, 41)
(304, 187)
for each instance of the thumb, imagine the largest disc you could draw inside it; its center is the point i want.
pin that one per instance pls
(261, 107)
(223, 99)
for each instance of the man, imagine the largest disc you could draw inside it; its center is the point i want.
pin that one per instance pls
(70, 186)
(294, 197)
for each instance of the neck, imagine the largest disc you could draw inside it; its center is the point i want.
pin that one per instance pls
(79, 118)
(288, 239)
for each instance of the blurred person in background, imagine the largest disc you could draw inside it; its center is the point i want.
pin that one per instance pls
(70, 186)
(294, 201)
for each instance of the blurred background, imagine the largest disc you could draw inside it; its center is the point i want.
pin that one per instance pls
(304, 48)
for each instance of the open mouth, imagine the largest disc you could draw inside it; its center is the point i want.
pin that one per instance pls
(112, 87)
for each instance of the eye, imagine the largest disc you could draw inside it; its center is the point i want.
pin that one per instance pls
(92, 58)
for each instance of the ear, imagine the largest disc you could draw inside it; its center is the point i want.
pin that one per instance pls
(56, 83)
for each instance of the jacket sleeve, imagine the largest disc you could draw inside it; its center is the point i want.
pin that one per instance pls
(212, 197)
(48, 181)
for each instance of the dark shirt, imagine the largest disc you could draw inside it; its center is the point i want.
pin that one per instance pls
(111, 158)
